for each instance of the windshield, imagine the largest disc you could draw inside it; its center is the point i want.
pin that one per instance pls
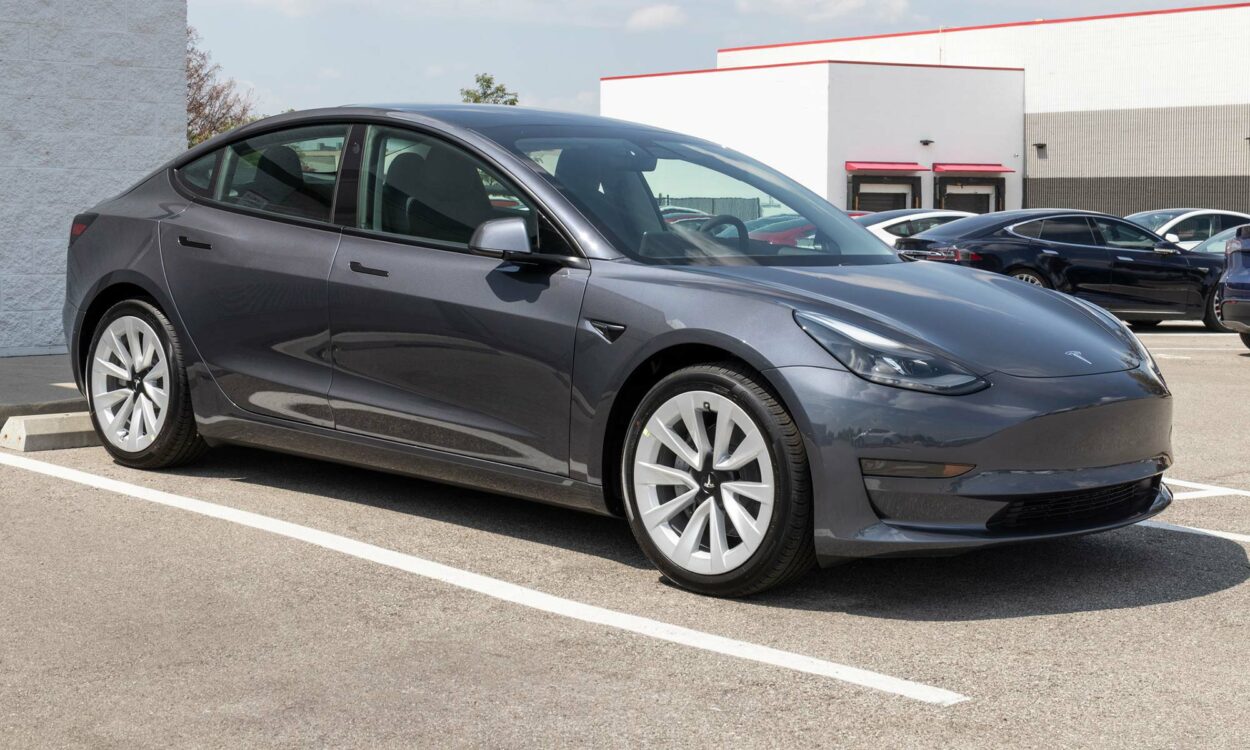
(623, 180)
(1217, 242)
(1153, 220)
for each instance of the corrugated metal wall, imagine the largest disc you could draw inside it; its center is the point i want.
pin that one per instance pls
(1136, 159)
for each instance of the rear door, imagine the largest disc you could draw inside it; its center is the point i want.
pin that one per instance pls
(1071, 253)
(1147, 280)
(248, 265)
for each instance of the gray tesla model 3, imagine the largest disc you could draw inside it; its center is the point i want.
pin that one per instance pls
(493, 297)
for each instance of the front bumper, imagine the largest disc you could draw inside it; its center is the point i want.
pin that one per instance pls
(1053, 457)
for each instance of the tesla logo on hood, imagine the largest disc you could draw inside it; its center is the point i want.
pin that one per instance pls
(1079, 356)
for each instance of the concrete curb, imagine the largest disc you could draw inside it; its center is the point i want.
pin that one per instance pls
(48, 432)
(61, 406)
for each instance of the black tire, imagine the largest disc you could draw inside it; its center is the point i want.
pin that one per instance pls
(178, 441)
(786, 550)
(1145, 323)
(1245, 339)
(1211, 317)
(1030, 277)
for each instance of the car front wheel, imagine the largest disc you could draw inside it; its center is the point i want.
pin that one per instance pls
(1213, 319)
(716, 483)
(1245, 339)
(137, 389)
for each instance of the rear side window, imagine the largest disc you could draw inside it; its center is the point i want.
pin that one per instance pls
(1073, 230)
(288, 173)
(198, 175)
(1032, 230)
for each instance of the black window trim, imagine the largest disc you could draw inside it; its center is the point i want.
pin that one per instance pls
(1089, 220)
(358, 123)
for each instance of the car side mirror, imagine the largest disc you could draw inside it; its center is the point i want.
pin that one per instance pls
(506, 239)
(1166, 247)
(1173, 238)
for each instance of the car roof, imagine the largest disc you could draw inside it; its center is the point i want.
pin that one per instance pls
(975, 225)
(900, 213)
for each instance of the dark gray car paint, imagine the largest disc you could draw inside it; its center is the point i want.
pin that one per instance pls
(535, 422)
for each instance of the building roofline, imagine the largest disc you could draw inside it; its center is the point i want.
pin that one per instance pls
(953, 29)
(807, 62)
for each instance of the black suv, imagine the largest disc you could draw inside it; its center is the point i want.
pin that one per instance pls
(1138, 275)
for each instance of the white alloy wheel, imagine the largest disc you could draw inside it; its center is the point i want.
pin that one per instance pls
(129, 384)
(1028, 278)
(703, 481)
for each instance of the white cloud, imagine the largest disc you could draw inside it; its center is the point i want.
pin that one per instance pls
(651, 17)
(823, 10)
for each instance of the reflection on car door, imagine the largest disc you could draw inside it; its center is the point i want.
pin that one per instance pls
(1072, 254)
(1146, 280)
(249, 281)
(437, 347)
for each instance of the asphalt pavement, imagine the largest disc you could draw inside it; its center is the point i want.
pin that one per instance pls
(262, 600)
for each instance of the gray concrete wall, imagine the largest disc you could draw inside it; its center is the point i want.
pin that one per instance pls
(1129, 160)
(92, 97)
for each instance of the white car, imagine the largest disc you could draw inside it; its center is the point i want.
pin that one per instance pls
(1188, 227)
(905, 222)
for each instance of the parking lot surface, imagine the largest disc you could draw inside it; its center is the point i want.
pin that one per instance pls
(126, 621)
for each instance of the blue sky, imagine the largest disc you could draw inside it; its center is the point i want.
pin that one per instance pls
(309, 53)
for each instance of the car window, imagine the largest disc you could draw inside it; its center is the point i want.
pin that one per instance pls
(1216, 244)
(1032, 229)
(289, 173)
(418, 186)
(1194, 229)
(1152, 220)
(1123, 235)
(902, 229)
(1070, 230)
(198, 175)
(621, 184)
(1229, 221)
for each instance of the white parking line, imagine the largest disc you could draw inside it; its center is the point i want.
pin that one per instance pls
(1243, 538)
(503, 590)
(1214, 490)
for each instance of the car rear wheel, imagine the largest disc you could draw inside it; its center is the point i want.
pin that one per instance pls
(1245, 339)
(1213, 318)
(137, 389)
(1030, 277)
(716, 483)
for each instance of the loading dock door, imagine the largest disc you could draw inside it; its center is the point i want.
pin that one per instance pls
(978, 199)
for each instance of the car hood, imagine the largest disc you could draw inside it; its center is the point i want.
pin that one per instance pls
(984, 320)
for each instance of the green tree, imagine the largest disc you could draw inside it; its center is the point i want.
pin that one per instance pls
(488, 92)
(214, 104)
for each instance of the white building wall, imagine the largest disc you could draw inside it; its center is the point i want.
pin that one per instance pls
(809, 120)
(777, 115)
(883, 112)
(92, 97)
(1195, 57)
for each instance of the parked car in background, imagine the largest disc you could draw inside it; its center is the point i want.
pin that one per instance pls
(1110, 261)
(1218, 244)
(906, 222)
(751, 408)
(1234, 291)
(1191, 226)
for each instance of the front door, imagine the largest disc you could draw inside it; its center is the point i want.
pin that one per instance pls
(248, 271)
(434, 346)
(1146, 280)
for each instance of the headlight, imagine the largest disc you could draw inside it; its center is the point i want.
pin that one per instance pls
(884, 360)
(1121, 329)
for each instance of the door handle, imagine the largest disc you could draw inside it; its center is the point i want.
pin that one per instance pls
(359, 267)
(1126, 260)
(186, 241)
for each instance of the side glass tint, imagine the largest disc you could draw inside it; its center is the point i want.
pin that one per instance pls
(1073, 230)
(1032, 230)
(1124, 236)
(198, 175)
(1194, 229)
(289, 173)
(417, 186)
